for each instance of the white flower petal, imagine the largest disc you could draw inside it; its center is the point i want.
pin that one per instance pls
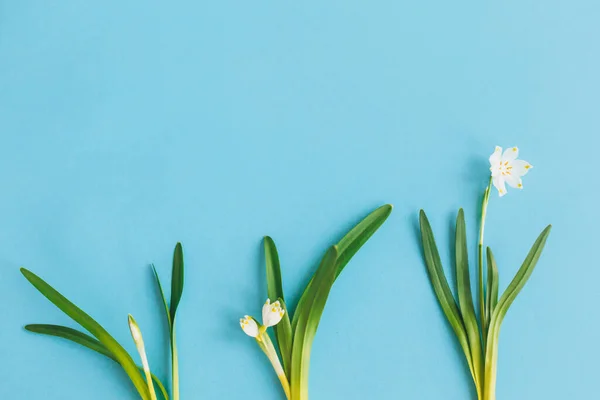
(496, 156)
(265, 310)
(272, 314)
(520, 167)
(510, 154)
(498, 182)
(514, 181)
(249, 326)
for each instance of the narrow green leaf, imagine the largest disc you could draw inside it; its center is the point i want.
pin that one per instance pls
(274, 284)
(162, 296)
(465, 298)
(515, 286)
(93, 327)
(283, 330)
(349, 245)
(73, 335)
(283, 334)
(492, 284)
(176, 280)
(442, 289)
(308, 321)
(86, 341)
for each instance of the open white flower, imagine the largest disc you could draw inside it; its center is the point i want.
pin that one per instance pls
(271, 314)
(507, 169)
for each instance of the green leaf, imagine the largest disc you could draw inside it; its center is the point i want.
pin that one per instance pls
(308, 321)
(465, 297)
(359, 235)
(283, 334)
(442, 289)
(274, 284)
(176, 280)
(94, 328)
(176, 292)
(87, 341)
(283, 330)
(162, 296)
(492, 284)
(72, 335)
(515, 286)
(349, 245)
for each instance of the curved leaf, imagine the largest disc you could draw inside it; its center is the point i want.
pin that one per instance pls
(93, 327)
(176, 281)
(309, 316)
(86, 341)
(442, 289)
(349, 245)
(493, 281)
(162, 296)
(465, 297)
(515, 286)
(283, 330)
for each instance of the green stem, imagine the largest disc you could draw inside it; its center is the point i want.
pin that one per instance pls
(174, 365)
(482, 306)
(491, 361)
(150, 384)
(265, 343)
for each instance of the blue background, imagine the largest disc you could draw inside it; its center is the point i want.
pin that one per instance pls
(128, 126)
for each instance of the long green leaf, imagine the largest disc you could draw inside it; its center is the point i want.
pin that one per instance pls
(162, 296)
(492, 285)
(93, 327)
(283, 334)
(308, 321)
(73, 335)
(283, 330)
(176, 280)
(349, 245)
(515, 286)
(442, 289)
(465, 298)
(85, 341)
(274, 284)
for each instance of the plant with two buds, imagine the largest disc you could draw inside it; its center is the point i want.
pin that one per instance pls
(295, 335)
(147, 385)
(479, 338)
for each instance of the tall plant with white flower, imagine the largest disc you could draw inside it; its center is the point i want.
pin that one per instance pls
(478, 337)
(294, 334)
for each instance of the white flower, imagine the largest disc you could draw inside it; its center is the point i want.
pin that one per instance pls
(507, 169)
(249, 326)
(272, 313)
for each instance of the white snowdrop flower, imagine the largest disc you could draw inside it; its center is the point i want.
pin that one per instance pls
(249, 326)
(272, 313)
(506, 169)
